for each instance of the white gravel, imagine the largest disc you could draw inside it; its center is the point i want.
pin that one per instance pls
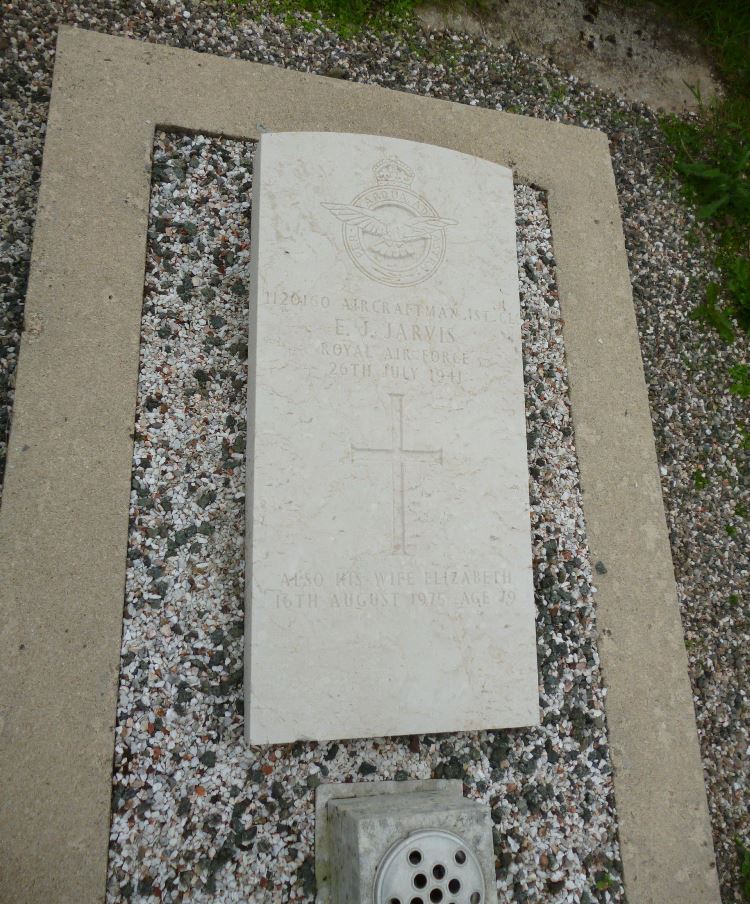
(199, 816)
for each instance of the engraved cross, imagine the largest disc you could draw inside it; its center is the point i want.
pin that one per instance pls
(399, 457)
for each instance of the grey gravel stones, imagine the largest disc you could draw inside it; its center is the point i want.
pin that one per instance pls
(197, 814)
(698, 424)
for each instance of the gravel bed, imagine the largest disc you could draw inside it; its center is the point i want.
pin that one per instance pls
(697, 422)
(197, 814)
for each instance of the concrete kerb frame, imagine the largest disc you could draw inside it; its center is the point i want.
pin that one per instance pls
(64, 519)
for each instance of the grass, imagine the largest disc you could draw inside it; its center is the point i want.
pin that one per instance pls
(743, 855)
(712, 159)
(347, 17)
(740, 375)
(699, 479)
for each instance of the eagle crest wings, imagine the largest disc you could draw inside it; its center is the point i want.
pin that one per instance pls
(393, 238)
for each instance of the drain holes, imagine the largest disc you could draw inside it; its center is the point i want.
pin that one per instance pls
(430, 866)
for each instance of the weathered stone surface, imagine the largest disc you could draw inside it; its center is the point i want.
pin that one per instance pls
(391, 587)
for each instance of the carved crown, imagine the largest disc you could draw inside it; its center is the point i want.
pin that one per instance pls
(391, 171)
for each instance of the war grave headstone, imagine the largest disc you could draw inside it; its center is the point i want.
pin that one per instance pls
(389, 548)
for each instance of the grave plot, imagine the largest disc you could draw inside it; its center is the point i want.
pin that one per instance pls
(64, 517)
(199, 816)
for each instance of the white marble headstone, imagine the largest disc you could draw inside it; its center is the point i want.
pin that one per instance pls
(389, 575)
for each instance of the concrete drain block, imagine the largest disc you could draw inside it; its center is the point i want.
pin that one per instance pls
(417, 842)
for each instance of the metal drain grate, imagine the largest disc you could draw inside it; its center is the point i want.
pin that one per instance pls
(430, 866)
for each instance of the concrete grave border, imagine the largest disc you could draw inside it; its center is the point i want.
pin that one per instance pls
(64, 520)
